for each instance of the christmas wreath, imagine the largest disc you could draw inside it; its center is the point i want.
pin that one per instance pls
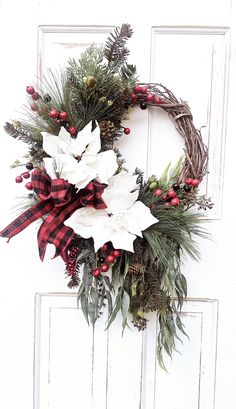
(122, 238)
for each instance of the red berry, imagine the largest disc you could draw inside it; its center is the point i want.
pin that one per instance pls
(157, 192)
(104, 268)
(195, 182)
(174, 201)
(116, 253)
(19, 179)
(166, 204)
(97, 272)
(35, 96)
(126, 131)
(26, 175)
(134, 97)
(58, 121)
(164, 197)
(63, 115)
(171, 193)
(137, 89)
(158, 100)
(104, 247)
(188, 181)
(53, 114)
(72, 130)
(30, 90)
(110, 258)
(34, 107)
(29, 186)
(143, 90)
(149, 97)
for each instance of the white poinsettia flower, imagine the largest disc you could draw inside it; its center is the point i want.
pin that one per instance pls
(77, 159)
(124, 218)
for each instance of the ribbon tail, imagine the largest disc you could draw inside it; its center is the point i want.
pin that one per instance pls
(55, 232)
(26, 218)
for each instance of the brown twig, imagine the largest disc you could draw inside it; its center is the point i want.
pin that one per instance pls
(196, 152)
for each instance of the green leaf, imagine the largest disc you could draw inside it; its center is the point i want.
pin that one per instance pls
(108, 283)
(125, 304)
(84, 306)
(95, 300)
(109, 302)
(116, 308)
(164, 177)
(91, 313)
(87, 279)
(80, 292)
(175, 171)
(180, 325)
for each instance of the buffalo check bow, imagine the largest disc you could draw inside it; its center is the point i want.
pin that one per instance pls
(58, 199)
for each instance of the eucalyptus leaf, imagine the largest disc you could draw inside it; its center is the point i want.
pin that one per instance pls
(109, 302)
(125, 304)
(117, 307)
(84, 306)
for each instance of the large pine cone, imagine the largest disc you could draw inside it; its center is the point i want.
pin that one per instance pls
(107, 129)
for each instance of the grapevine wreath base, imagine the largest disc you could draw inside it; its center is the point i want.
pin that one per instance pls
(122, 238)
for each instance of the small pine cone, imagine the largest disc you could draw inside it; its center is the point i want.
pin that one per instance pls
(135, 268)
(107, 129)
(74, 281)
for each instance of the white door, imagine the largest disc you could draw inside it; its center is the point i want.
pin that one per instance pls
(50, 358)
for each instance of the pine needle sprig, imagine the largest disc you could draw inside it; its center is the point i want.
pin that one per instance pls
(16, 131)
(115, 51)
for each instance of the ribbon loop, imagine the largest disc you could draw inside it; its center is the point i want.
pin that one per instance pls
(59, 190)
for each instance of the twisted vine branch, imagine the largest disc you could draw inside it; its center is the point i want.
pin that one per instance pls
(196, 152)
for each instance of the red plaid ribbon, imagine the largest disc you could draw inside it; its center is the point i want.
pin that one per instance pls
(59, 200)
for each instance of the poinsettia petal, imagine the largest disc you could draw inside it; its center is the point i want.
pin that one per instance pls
(105, 165)
(88, 222)
(122, 183)
(82, 141)
(94, 145)
(50, 165)
(54, 145)
(122, 240)
(138, 218)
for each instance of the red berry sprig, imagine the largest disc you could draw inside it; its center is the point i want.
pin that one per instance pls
(192, 182)
(110, 256)
(142, 95)
(71, 265)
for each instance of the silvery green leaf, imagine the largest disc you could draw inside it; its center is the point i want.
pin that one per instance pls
(109, 302)
(84, 306)
(116, 308)
(80, 292)
(108, 283)
(92, 313)
(125, 304)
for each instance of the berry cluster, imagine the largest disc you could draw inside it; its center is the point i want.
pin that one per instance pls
(108, 257)
(143, 97)
(174, 195)
(61, 118)
(25, 175)
(71, 266)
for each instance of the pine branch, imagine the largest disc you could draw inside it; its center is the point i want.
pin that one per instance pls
(115, 50)
(17, 132)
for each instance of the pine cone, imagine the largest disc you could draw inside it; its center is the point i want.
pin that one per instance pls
(107, 129)
(135, 268)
